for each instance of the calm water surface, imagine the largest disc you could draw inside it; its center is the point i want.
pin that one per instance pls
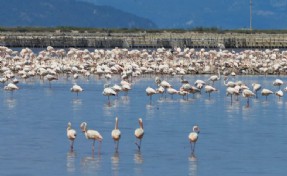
(234, 139)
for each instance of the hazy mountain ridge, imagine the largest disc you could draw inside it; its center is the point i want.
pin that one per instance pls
(51, 13)
(226, 14)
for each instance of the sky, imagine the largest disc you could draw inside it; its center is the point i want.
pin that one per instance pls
(226, 14)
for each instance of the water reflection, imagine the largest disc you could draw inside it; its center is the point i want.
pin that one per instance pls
(76, 103)
(209, 101)
(11, 103)
(71, 156)
(192, 166)
(125, 100)
(91, 164)
(115, 163)
(138, 159)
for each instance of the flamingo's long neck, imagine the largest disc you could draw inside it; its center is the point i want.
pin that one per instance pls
(141, 124)
(117, 124)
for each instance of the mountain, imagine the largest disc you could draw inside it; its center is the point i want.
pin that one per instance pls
(53, 13)
(225, 14)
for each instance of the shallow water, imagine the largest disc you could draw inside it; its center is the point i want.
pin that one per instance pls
(234, 139)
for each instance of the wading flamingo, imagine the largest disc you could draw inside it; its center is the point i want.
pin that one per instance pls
(76, 88)
(116, 134)
(71, 134)
(139, 133)
(256, 87)
(92, 134)
(150, 92)
(193, 137)
(266, 92)
(246, 93)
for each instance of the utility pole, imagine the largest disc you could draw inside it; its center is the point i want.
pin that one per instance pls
(250, 15)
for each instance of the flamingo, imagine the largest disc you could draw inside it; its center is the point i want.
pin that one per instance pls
(50, 78)
(71, 134)
(232, 91)
(172, 91)
(11, 87)
(266, 92)
(209, 89)
(246, 93)
(92, 134)
(116, 134)
(117, 88)
(278, 82)
(160, 90)
(76, 88)
(108, 91)
(199, 83)
(279, 93)
(229, 83)
(214, 78)
(193, 137)
(126, 88)
(139, 133)
(150, 92)
(256, 87)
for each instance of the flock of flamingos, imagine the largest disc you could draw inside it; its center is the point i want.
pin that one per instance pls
(51, 63)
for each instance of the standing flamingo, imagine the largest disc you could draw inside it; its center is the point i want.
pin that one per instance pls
(50, 78)
(266, 92)
(256, 88)
(193, 137)
(232, 91)
(92, 134)
(246, 93)
(150, 92)
(209, 89)
(76, 88)
(278, 82)
(116, 134)
(71, 134)
(108, 91)
(11, 87)
(139, 133)
(214, 78)
(279, 93)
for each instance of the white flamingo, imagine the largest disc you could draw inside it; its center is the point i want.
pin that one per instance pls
(230, 91)
(246, 93)
(256, 87)
(76, 88)
(214, 78)
(266, 92)
(139, 133)
(150, 92)
(278, 82)
(209, 89)
(11, 87)
(116, 134)
(193, 137)
(50, 78)
(108, 91)
(92, 135)
(279, 93)
(71, 134)
(172, 91)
